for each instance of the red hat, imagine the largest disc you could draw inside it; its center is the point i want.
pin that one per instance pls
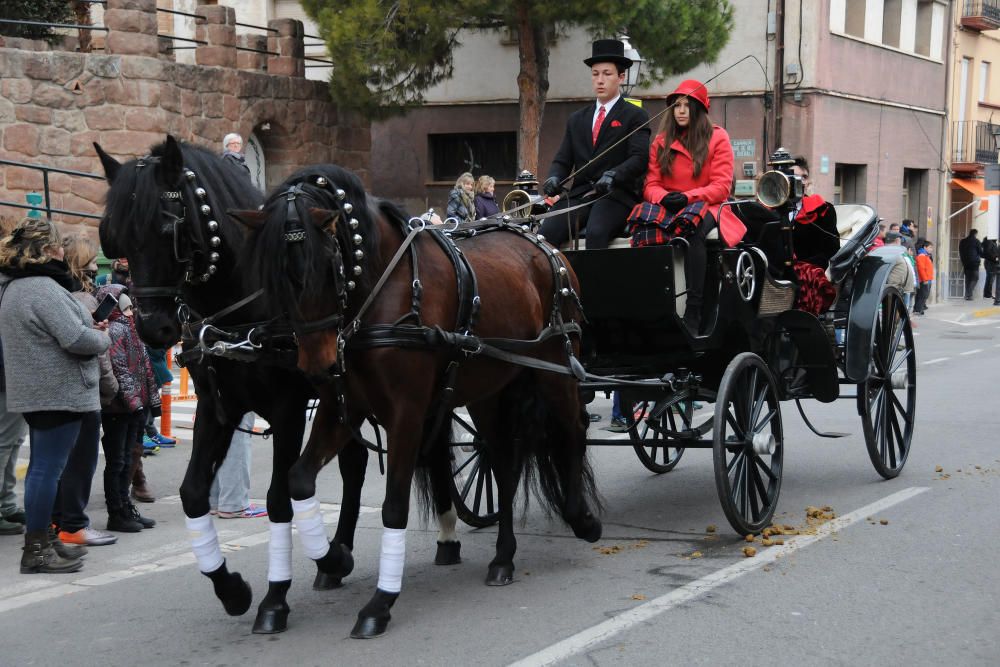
(694, 89)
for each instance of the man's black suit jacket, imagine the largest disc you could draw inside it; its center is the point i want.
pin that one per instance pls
(627, 159)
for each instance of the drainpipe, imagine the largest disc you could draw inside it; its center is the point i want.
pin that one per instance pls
(779, 68)
(942, 233)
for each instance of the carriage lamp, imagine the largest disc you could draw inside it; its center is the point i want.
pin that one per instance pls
(632, 73)
(779, 185)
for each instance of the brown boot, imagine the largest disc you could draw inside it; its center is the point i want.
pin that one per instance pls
(40, 557)
(140, 489)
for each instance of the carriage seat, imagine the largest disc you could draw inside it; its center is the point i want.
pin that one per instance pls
(857, 225)
(851, 219)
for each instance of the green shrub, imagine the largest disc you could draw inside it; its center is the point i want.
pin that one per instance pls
(46, 11)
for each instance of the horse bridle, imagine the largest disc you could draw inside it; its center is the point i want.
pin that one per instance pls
(296, 233)
(175, 213)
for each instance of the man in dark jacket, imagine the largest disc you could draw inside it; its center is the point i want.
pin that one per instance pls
(991, 260)
(970, 251)
(604, 165)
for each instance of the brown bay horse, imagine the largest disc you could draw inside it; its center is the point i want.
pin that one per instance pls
(392, 320)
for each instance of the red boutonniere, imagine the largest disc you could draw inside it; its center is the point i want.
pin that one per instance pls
(616, 123)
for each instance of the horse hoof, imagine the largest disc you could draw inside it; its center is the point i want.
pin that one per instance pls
(338, 562)
(500, 575)
(589, 530)
(326, 582)
(271, 621)
(370, 627)
(448, 553)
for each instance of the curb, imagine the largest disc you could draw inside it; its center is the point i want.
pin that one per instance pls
(986, 312)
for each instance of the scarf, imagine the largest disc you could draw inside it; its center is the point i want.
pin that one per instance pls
(56, 269)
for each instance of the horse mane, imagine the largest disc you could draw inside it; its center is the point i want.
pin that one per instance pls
(270, 262)
(132, 212)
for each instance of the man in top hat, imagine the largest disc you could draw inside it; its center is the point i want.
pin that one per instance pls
(608, 163)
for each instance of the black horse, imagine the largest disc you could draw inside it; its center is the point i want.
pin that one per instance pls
(166, 213)
(332, 258)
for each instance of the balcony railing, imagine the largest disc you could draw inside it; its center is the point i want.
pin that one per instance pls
(974, 142)
(981, 14)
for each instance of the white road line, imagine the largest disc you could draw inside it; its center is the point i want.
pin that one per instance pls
(964, 354)
(163, 565)
(936, 361)
(644, 612)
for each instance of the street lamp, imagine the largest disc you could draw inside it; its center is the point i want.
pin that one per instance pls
(632, 73)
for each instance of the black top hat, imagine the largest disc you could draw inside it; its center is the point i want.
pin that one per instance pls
(608, 51)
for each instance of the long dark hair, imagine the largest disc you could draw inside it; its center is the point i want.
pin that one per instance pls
(695, 138)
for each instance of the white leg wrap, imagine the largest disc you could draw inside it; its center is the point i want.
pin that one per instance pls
(204, 543)
(447, 523)
(279, 553)
(309, 522)
(391, 560)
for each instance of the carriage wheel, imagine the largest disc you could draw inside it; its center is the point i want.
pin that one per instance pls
(473, 489)
(650, 433)
(887, 401)
(747, 444)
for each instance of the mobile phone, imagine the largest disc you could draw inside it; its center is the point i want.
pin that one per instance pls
(104, 310)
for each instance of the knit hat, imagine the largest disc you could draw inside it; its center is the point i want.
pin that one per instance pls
(124, 303)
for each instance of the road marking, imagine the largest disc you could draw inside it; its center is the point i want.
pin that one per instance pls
(57, 590)
(936, 361)
(964, 354)
(648, 610)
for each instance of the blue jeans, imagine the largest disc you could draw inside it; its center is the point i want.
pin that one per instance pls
(73, 494)
(616, 407)
(231, 486)
(12, 431)
(50, 449)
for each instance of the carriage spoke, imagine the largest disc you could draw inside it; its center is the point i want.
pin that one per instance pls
(899, 434)
(751, 484)
(473, 475)
(479, 491)
(488, 481)
(765, 421)
(731, 420)
(459, 469)
(736, 458)
(758, 405)
(898, 361)
(759, 486)
(766, 469)
(899, 406)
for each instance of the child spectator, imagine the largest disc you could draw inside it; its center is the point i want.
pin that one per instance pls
(925, 274)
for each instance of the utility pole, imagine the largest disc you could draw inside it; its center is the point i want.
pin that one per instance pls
(779, 68)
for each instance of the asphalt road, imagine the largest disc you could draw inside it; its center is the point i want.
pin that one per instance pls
(905, 575)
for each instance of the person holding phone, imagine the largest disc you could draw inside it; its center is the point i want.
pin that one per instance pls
(70, 512)
(50, 349)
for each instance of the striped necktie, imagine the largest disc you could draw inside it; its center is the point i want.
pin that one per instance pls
(598, 122)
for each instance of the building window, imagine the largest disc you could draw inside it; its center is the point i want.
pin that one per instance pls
(892, 20)
(925, 20)
(984, 81)
(915, 186)
(854, 23)
(490, 153)
(849, 183)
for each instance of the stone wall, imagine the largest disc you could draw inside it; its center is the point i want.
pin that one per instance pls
(55, 104)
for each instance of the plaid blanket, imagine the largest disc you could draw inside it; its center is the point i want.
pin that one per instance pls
(650, 224)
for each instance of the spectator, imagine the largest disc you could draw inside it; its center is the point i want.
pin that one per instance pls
(70, 515)
(12, 431)
(970, 251)
(880, 239)
(460, 203)
(232, 152)
(991, 260)
(119, 274)
(124, 418)
(230, 494)
(901, 276)
(925, 274)
(485, 202)
(50, 346)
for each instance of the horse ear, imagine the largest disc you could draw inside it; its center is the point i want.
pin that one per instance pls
(252, 219)
(322, 217)
(111, 165)
(173, 161)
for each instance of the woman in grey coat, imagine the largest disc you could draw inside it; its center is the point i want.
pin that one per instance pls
(50, 347)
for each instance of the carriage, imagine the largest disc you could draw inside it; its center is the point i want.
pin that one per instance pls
(755, 352)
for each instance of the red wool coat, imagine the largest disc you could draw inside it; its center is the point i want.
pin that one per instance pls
(712, 185)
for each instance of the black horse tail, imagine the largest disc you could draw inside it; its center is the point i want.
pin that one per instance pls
(545, 455)
(433, 473)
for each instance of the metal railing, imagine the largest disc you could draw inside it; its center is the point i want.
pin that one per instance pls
(989, 9)
(46, 204)
(974, 141)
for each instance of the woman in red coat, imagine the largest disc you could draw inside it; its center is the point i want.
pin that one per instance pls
(691, 162)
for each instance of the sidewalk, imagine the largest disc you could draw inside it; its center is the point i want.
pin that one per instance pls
(960, 311)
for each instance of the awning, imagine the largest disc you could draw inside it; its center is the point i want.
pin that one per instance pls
(974, 186)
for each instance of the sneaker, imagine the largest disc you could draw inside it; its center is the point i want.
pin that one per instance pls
(618, 425)
(159, 439)
(595, 417)
(149, 447)
(88, 536)
(251, 512)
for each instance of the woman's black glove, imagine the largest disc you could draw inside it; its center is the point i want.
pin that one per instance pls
(674, 201)
(605, 183)
(551, 186)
